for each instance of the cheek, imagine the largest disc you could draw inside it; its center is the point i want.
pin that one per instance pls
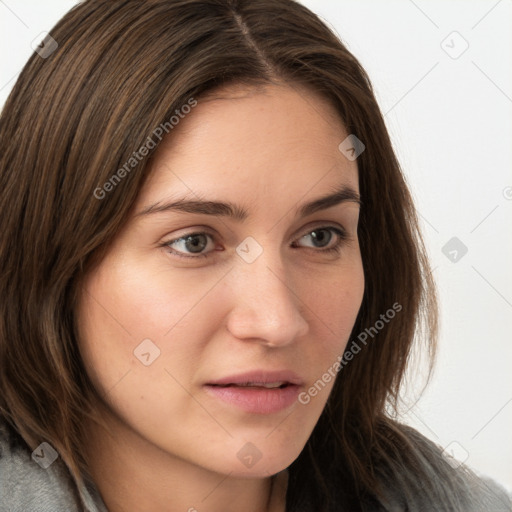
(347, 301)
(333, 306)
(335, 302)
(139, 332)
(131, 314)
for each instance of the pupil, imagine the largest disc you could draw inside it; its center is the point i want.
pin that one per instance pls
(322, 239)
(193, 245)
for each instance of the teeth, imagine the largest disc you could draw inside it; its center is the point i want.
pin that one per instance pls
(270, 385)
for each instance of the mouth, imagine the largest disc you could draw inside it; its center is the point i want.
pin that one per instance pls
(257, 392)
(265, 385)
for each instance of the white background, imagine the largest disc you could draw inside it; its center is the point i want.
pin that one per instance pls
(451, 123)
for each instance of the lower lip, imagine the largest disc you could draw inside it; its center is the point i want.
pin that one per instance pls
(256, 400)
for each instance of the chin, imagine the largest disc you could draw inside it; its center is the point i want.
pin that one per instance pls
(250, 462)
(260, 470)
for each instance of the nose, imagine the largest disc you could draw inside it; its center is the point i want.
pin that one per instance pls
(266, 307)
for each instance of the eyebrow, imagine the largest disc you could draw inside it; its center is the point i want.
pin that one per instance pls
(236, 212)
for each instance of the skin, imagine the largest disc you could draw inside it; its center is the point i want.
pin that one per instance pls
(171, 445)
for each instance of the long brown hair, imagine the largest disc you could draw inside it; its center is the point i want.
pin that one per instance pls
(74, 118)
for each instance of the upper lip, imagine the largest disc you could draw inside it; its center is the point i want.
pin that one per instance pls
(259, 377)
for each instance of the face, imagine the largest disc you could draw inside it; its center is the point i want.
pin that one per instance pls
(202, 329)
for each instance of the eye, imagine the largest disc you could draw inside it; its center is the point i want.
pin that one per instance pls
(323, 236)
(193, 245)
(193, 242)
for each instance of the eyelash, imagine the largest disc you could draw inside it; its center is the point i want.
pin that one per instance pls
(342, 238)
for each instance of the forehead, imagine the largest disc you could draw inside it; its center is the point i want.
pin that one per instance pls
(253, 143)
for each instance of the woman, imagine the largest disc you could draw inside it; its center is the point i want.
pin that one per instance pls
(212, 272)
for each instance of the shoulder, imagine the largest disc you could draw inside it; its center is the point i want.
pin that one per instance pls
(38, 484)
(421, 477)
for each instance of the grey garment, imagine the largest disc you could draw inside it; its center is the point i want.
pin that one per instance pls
(44, 486)
(475, 494)
(423, 479)
(25, 486)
